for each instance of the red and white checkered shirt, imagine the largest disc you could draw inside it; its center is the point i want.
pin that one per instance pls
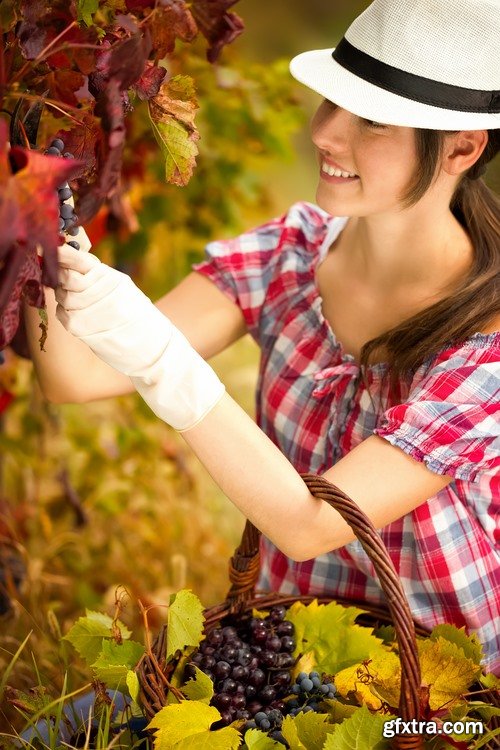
(313, 405)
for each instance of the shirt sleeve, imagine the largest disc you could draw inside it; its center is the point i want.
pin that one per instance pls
(451, 420)
(245, 267)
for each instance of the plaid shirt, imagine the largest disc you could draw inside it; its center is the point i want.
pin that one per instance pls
(313, 405)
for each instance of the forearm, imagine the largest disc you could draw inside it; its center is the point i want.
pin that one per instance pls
(67, 370)
(254, 474)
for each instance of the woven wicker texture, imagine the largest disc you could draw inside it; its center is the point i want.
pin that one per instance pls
(154, 674)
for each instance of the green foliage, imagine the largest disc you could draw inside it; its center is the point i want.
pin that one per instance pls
(86, 9)
(115, 660)
(362, 730)
(328, 637)
(186, 726)
(89, 632)
(185, 622)
(199, 688)
(307, 731)
(469, 644)
(257, 740)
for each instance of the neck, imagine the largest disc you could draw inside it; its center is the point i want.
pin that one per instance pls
(408, 249)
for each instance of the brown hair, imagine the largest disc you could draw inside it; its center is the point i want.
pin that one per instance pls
(476, 301)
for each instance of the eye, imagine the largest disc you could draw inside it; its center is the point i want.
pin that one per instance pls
(373, 124)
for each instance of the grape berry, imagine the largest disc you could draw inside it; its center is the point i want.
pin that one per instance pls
(250, 667)
(67, 216)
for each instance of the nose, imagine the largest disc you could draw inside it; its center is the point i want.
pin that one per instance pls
(330, 127)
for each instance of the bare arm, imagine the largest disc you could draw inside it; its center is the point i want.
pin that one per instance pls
(69, 372)
(384, 481)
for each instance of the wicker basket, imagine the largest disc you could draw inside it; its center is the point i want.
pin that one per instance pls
(154, 674)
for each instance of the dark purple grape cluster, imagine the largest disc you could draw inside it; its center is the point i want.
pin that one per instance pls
(250, 667)
(67, 216)
(308, 690)
(269, 722)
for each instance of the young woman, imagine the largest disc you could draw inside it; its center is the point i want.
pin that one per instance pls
(377, 312)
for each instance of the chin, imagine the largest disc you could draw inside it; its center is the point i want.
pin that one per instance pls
(333, 207)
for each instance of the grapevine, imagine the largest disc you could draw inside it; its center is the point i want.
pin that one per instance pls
(70, 74)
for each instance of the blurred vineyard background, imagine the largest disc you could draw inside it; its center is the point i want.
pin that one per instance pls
(99, 496)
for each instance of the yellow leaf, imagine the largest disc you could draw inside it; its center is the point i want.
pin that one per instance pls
(347, 682)
(374, 682)
(306, 663)
(446, 670)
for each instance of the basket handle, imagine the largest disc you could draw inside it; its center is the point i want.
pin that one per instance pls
(244, 571)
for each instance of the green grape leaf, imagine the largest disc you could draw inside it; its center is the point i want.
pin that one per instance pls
(133, 685)
(328, 637)
(469, 644)
(446, 670)
(177, 678)
(257, 740)
(337, 711)
(486, 738)
(308, 730)
(34, 701)
(361, 731)
(185, 622)
(489, 680)
(171, 113)
(87, 634)
(86, 9)
(485, 710)
(186, 726)
(386, 633)
(199, 688)
(116, 660)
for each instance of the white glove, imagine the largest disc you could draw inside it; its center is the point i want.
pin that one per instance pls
(104, 308)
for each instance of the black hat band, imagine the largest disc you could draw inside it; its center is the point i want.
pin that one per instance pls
(411, 86)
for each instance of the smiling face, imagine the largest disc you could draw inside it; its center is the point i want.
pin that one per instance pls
(383, 158)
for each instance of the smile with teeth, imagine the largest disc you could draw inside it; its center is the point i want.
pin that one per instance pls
(333, 172)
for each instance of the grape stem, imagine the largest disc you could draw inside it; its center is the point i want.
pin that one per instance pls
(49, 103)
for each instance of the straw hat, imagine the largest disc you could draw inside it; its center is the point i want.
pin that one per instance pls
(420, 63)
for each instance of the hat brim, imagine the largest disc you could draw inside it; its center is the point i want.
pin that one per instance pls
(318, 70)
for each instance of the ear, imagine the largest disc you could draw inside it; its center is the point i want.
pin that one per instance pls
(463, 149)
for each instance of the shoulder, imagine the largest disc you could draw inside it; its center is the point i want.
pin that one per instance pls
(467, 372)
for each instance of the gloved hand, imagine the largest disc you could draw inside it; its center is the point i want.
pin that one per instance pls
(105, 309)
(82, 237)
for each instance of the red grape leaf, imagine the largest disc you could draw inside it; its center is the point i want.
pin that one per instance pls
(110, 108)
(128, 59)
(62, 85)
(28, 279)
(74, 56)
(135, 5)
(150, 82)
(43, 21)
(29, 211)
(171, 20)
(82, 141)
(217, 25)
